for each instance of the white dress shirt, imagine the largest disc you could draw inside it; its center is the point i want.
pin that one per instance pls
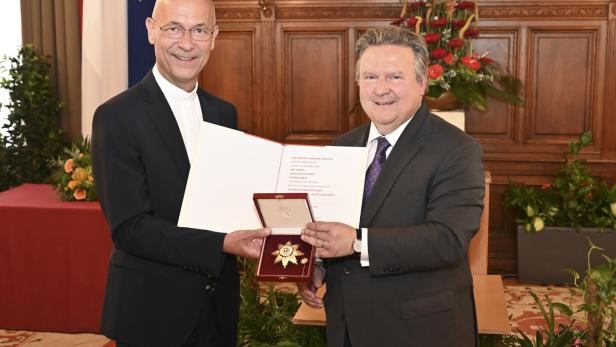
(373, 136)
(186, 110)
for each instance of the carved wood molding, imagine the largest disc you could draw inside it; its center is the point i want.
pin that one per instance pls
(545, 11)
(391, 11)
(386, 12)
(237, 14)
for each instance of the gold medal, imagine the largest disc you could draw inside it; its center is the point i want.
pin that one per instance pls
(287, 253)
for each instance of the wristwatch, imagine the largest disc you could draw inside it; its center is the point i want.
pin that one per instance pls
(357, 242)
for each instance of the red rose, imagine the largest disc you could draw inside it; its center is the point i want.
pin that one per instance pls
(438, 53)
(471, 33)
(432, 37)
(435, 71)
(448, 58)
(455, 43)
(486, 60)
(411, 22)
(466, 5)
(459, 23)
(471, 63)
(438, 23)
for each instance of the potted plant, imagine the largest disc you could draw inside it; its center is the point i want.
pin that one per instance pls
(457, 75)
(555, 219)
(32, 135)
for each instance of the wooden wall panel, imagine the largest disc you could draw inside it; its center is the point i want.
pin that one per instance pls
(314, 65)
(498, 122)
(561, 68)
(230, 73)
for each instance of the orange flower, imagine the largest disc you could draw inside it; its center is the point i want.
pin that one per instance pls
(68, 166)
(79, 194)
(72, 184)
(80, 174)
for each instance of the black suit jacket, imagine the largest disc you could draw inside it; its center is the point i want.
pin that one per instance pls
(158, 272)
(421, 215)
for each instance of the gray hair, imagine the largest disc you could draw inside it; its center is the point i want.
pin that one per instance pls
(397, 36)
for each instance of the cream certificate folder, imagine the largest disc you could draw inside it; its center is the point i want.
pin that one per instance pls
(229, 166)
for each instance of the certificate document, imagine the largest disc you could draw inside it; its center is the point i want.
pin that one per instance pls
(229, 166)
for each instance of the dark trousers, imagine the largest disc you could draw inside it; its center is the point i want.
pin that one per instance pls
(207, 331)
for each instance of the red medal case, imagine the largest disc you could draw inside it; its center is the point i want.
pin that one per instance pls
(286, 214)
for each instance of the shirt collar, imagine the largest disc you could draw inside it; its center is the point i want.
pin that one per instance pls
(171, 91)
(392, 137)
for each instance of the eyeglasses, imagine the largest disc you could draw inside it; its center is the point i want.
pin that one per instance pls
(198, 33)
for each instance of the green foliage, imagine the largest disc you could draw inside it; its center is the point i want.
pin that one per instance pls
(599, 286)
(265, 318)
(72, 177)
(599, 289)
(554, 336)
(31, 136)
(575, 198)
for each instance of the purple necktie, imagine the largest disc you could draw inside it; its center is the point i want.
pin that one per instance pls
(377, 164)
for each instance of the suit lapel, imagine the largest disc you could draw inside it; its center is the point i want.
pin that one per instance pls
(410, 142)
(160, 114)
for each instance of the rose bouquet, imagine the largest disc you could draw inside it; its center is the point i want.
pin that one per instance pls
(73, 176)
(455, 69)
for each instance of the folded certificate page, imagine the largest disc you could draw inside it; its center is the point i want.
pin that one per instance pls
(229, 166)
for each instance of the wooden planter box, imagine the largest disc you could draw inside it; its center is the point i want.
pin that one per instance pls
(544, 256)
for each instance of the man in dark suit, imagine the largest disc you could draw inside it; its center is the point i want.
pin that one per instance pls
(403, 278)
(167, 286)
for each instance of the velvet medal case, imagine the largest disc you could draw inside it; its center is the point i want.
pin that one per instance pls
(284, 256)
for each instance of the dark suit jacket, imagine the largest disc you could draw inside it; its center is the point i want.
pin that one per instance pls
(421, 215)
(158, 272)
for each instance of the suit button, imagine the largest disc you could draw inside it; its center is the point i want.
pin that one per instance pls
(209, 287)
(346, 270)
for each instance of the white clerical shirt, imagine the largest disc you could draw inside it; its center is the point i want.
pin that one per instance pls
(186, 110)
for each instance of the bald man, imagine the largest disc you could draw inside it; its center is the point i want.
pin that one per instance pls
(167, 286)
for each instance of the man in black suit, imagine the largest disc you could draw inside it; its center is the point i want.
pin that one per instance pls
(167, 286)
(403, 278)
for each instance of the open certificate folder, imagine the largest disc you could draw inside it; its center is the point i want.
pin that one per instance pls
(229, 166)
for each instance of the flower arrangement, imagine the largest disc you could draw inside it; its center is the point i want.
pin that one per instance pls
(455, 68)
(575, 199)
(73, 176)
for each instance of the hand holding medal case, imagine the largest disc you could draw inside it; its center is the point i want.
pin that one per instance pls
(284, 256)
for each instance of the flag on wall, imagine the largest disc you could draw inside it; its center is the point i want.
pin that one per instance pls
(115, 51)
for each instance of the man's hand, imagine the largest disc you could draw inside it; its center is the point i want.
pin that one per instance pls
(331, 239)
(245, 243)
(308, 291)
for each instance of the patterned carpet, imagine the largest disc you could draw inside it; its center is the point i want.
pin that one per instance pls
(44, 339)
(523, 313)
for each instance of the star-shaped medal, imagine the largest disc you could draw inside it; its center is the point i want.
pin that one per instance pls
(287, 253)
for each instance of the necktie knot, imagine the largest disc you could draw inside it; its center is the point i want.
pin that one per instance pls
(377, 164)
(381, 147)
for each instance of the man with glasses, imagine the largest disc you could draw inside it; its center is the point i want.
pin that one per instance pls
(167, 286)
